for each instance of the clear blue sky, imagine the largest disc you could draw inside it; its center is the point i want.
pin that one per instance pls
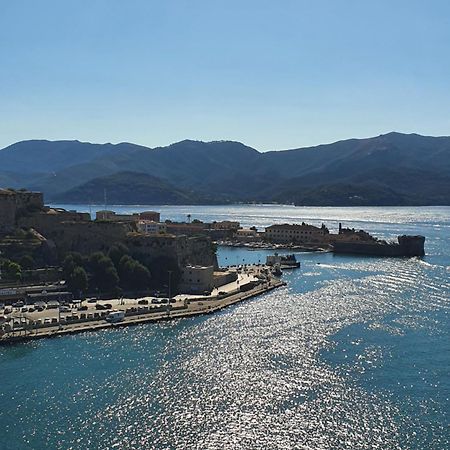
(272, 74)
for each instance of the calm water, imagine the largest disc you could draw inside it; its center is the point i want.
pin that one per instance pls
(354, 353)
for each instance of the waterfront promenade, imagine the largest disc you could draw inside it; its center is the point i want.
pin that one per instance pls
(183, 306)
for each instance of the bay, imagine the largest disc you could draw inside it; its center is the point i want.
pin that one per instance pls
(353, 353)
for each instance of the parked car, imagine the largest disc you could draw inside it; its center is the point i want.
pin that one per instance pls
(99, 306)
(92, 300)
(143, 302)
(82, 308)
(64, 309)
(18, 304)
(107, 305)
(52, 304)
(24, 309)
(31, 309)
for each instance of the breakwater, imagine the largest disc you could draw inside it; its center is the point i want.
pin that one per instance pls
(193, 307)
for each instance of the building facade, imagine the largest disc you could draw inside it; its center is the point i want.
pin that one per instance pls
(152, 216)
(151, 227)
(295, 233)
(111, 216)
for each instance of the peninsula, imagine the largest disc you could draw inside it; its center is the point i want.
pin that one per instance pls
(62, 272)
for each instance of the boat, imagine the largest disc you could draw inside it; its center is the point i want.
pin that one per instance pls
(276, 270)
(284, 261)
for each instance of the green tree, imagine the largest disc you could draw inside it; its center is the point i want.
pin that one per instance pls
(116, 252)
(104, 274)
(77, 282)
(11, 270)
(68, 266)
(159, 268)
(133, 274)
(26, 262)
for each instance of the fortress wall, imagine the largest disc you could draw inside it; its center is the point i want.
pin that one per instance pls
(185, 250)
(15, 203)
(7, 213)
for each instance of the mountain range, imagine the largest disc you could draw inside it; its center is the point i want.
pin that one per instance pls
(390, 169)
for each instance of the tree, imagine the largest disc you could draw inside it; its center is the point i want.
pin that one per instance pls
(133, 274)
(159, 268)
(116, 252)
(68, 266)
(11, 270)
(77, 281)
(26, 262)
(104, 274)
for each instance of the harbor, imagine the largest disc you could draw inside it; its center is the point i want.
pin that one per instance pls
(93, 314)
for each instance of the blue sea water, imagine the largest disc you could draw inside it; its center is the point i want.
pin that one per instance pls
(354, 353)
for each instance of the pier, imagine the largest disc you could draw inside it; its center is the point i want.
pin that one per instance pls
(137, 313)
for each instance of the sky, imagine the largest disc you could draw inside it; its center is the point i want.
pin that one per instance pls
(271, 74)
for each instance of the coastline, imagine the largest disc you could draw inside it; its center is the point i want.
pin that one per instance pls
(195, 308)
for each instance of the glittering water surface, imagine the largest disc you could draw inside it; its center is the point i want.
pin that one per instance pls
(354, 353)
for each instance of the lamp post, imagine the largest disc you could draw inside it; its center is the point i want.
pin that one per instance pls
(170, 292)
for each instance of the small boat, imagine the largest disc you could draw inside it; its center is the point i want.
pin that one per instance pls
(276, 270)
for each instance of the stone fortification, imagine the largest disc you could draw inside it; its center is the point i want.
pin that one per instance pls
(72, 231)
(184, 249)
(14, 204)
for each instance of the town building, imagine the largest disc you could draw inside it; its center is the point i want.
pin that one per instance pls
(247, 234)
(151, 227)
(152, 216)
(295, 233)
(225, 225)
(111, 216)
(189, 229)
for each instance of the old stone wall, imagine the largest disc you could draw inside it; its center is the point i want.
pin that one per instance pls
(7, 213)
(185, 250)
(14, 204)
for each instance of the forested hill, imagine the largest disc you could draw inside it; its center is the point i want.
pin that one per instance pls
(391, 169)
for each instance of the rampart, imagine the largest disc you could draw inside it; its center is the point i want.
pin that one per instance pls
(14, 204)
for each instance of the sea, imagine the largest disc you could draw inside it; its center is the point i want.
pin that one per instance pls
(353, 353)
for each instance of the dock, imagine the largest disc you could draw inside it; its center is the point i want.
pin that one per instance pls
(192, 306)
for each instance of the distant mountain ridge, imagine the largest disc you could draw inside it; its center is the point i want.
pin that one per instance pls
(390, 169)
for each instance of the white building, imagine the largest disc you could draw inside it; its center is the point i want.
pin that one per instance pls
(150, 227)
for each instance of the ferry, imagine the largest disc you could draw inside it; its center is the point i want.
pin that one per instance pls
(284, 261)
